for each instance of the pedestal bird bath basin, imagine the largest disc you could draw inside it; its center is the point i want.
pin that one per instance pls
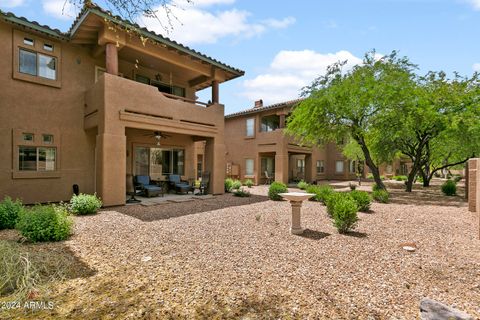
(296, 199)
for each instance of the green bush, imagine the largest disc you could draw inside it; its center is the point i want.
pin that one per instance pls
(380, 196)
(237, 184)
(321, 192)
(369, 176)
(344, 213)
(241, 193)
(45, 223)
(85, 204)
(276, 188)
(9, 211)
(449, 188)
(302, 185)
(333, 198)
(400, 178)
(362, 199)
(352, 186)
(248, 183)
(420, 179)
(228, 184)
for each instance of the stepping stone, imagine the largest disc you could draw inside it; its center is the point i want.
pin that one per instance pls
(205, 197)
(434, 310)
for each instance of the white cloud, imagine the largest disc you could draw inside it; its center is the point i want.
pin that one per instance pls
(11, 3)
(60, 9)
(475, 4)
(290, 71)
(193, 23)
(476, 66)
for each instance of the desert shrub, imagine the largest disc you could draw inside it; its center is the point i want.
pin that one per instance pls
(248, 183)
(9, 211)
(400, 178)
(380, 196)
(228, 184)
(449, 188)
(457, 178)
(241, 193)
(344, 213)
(352, 186)
(321, 192)
(45, 223)
(237, 184)
(382, 177)
(420, 179)
(369, 176)
(362, 199)
(375, 187)
(302, 185)
(85, 204)
(333, 198)
(276, 188)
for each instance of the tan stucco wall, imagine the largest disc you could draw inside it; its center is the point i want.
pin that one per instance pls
(29, 106)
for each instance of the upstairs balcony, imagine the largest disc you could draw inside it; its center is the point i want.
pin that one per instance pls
(115, 101)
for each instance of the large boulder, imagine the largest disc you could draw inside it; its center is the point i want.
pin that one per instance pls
(434, 310)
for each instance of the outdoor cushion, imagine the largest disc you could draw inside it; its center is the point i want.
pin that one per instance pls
(144, 180)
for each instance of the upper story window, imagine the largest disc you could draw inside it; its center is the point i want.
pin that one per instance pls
(250, 132)
(270, 123)
(36, 59)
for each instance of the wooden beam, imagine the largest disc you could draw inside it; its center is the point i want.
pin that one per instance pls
(198, 80)
(98, 50)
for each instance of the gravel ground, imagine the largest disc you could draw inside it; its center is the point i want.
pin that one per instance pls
(231, 257)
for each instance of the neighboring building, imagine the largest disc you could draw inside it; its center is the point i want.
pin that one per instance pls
(257, 148)
(88, 107)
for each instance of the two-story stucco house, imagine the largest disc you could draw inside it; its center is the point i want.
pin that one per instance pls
(257, 145)
(100, 103)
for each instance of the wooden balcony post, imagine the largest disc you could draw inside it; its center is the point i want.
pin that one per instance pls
(282, 121)
(215, 92)
(111, 58)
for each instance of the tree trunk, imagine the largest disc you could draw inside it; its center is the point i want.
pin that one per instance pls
(425, 172)
(369, 162)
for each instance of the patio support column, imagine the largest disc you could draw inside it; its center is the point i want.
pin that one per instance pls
(215, 92)
(111, 58)
(282, 120)
(215, 164)
(111, 168)
(308, 168)
(281, 167)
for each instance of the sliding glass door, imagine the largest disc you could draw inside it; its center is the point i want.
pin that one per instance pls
(158, 162)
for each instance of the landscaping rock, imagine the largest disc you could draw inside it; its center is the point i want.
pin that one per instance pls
(434, 310)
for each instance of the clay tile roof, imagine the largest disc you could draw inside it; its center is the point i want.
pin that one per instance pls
(279, 105)
(95, 9)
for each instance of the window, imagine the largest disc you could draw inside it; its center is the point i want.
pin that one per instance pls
(339, 166)
(249, 167)
(27, 137)
(352, 166)
(156, 162)
(47, 138)
(48, 47)
(34, 64)
(270, 123)
(28, 41)
(36, 159)
(301, 165)
(389, 169)
(250, 127)
(28, 62)
(320, 166)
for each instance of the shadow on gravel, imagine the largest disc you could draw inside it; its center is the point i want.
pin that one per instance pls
(313, 234)
(356, 234)
(426, 197)
(173, 210)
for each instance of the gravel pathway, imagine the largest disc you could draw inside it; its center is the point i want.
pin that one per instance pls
(231, 257)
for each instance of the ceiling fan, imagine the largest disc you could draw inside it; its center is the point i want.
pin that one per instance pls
(158, 136)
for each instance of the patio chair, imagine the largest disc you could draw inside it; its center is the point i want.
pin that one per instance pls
(268, 179)
(204, 183)
(143, 184)
(179, 185)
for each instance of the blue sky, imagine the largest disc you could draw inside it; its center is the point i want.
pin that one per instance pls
(283, 45)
